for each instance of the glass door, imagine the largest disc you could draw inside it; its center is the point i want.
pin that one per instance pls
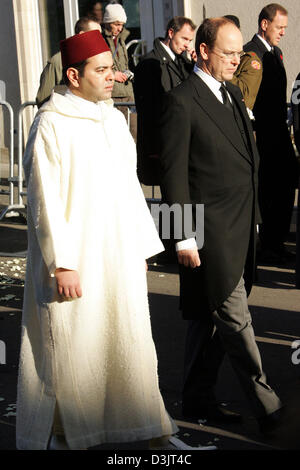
(52, 24)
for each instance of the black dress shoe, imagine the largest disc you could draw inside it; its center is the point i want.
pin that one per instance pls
(215, 412)
(269, 424)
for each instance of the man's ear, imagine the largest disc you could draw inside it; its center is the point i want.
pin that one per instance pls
(73, 76)
(203, 49)
(264, 25)
(170, 33)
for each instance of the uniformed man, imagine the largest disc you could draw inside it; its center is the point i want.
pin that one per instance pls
(248, 77)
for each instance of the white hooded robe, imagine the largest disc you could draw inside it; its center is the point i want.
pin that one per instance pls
(86, 211)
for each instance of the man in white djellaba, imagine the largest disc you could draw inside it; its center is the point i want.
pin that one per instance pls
(88, 365)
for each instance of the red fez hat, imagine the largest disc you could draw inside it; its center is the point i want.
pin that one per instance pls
(82, 46)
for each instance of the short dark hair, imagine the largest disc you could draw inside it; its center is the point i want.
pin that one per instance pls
(177, 23)
(208, 30)
(82, 23)
(269, 12)
(234, 19)
(80, 66)
(90, 6)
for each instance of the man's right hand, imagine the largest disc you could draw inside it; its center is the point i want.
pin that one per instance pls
(192, 53)
(189, 258)
(120, 77)
(68, 283)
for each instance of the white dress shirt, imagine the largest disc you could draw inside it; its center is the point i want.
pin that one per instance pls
(169, 50)
(270, 48)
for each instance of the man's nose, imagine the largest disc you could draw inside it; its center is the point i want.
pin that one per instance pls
(236, 59)
(110, 75)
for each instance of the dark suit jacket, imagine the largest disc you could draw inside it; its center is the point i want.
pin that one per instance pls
(277, 156)
(204, 160)
(155, 74)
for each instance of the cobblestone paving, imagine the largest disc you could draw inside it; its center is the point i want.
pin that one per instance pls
(12, 276)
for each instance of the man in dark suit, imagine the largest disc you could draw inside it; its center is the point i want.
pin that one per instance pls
(278, 166)
(162, 69)
(208, 156)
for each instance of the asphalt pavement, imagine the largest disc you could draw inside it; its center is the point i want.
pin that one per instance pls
(275, 307)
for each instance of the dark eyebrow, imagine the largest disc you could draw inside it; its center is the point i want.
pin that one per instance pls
(102, 67)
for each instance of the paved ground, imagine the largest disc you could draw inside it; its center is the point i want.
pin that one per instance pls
(275, 307)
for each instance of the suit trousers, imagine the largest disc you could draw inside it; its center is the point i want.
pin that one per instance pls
(227, 329)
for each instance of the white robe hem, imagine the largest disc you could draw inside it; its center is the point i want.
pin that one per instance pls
(99, 438)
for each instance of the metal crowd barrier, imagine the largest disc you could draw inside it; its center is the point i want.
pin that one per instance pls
(139, 50)
(12, 179)
(21, 193)
(130, 108)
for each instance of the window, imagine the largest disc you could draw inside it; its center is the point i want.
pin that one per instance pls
(52, 26)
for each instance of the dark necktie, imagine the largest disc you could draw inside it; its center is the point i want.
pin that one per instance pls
(178, 64)
(225, 97)
(236, 114)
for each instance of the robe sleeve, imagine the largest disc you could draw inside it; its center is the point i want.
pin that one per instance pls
(42, 166)
(148, 235)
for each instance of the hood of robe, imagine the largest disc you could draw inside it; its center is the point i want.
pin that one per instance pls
(62, 103)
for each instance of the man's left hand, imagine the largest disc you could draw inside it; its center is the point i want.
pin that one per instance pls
(189, 258)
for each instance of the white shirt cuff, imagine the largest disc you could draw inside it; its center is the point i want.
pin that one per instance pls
(189, 244)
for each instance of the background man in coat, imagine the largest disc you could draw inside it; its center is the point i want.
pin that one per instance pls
(162, 69)
(208, 156)
(278, 171)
